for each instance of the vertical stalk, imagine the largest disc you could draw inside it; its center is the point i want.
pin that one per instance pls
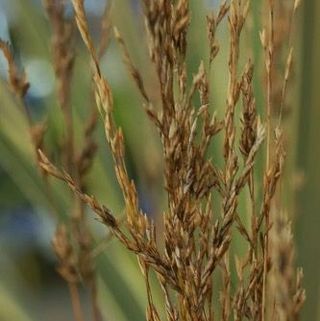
(269, 64)
(75, 299)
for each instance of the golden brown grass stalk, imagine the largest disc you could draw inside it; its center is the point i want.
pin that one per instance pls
(195, 244)
(79, 163)
(197, 237)
(17, 79)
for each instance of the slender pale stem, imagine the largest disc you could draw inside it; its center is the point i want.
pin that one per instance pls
(269, 58)
(76, 302)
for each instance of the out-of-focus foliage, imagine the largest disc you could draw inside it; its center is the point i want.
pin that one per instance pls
(308, 158)
(120, 283)
(10, 308)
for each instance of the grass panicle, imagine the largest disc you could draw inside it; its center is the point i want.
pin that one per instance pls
(196, 262)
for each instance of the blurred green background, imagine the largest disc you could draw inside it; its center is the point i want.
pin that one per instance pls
(30, 289)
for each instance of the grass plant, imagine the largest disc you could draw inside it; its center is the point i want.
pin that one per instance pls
(222, 248)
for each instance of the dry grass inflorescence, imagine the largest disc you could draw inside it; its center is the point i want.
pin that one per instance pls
(194, 265)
